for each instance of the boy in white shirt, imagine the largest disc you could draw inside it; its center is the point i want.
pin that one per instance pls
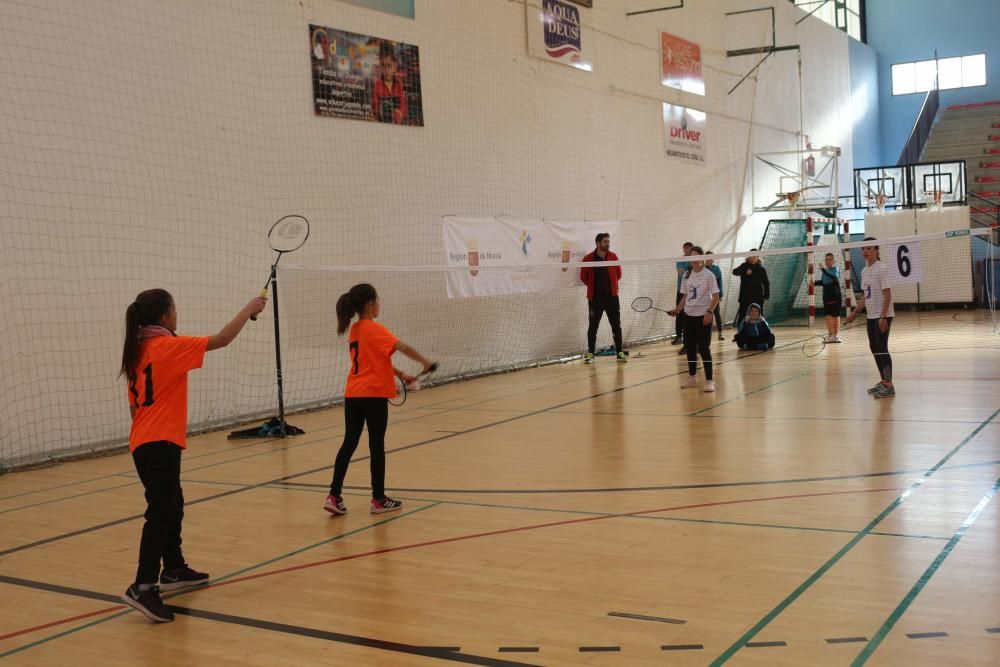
(876, 300)
(699, 297)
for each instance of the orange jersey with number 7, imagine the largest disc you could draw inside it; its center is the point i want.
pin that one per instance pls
(370, 376)
(159, 393)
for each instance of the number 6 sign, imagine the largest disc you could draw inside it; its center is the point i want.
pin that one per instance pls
(903, 260)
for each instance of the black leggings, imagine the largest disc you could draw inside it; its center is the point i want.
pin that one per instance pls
(159, 468)
(604, 303)
(357, 412)
(718, 317)
(878, 343)
(679, 327)
(698, 340)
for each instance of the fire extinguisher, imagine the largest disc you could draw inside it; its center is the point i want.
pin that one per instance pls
(809, 164)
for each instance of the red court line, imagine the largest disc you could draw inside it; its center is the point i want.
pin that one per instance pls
(536, 526)
(458, 538)
(80, 617)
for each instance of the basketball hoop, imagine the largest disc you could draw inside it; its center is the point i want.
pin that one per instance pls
(793, 199)
(876, 203)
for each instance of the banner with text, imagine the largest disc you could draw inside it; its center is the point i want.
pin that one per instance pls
(681, 64)
(520, 245)
(684, 133)
(556, 32)
(365, 78)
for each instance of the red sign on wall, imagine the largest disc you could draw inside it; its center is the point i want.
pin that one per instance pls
(682, 64)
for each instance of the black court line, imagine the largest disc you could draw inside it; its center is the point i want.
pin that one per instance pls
(449, 653)
(643, 617)
(846, 640)
(764, 644)
(925, 635)
(993, 630)
(682, 647)
(669, 487)
(116, 522)
(600, 649)
(518, 649)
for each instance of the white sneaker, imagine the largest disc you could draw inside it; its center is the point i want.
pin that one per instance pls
(691, 381)
(834, 339)
(709, 386)
(827, 339)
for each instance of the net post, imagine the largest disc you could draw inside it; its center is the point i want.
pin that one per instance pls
(277, 347)
(848, 292)
(811, 270)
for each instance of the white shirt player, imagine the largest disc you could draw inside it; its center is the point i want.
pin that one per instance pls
(698, 287)
(874, 279)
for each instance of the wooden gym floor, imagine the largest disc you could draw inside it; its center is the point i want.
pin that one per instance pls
(562, 515)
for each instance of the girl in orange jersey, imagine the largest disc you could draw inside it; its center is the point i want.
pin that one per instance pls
(156, 361)
(370, 385)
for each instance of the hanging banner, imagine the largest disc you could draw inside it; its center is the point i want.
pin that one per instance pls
(365, 78)
(681, 64)
(523, 247)
(556, 32)
(684, 133)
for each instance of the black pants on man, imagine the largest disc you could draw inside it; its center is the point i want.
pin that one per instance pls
(679, 328)
(600, 304)
(159, 468)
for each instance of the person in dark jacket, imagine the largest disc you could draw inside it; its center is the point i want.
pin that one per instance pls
(832, 297)
(602, 295)
(754, 333)
(754, 285)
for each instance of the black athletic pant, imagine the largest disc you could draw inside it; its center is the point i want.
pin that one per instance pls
(679, 327)
(878, 343)
(604, 303)
(698, 340)
(358, 412)
(159, 468)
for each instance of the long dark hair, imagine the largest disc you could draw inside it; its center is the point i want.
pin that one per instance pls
(352, 303)
(148, 308)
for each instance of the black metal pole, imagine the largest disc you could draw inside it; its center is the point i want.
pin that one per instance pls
(277, 345)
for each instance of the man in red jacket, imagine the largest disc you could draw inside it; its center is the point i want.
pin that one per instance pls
(602, 295)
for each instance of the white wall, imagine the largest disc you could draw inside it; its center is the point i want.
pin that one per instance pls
(151, 144)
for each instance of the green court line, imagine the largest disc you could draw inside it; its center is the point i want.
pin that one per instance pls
(105, 619)
(823, 569)
(908, 599)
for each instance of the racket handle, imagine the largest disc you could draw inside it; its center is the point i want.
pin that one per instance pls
(263, 295)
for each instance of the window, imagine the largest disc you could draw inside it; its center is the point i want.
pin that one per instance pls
(846, 15)
(919, 77)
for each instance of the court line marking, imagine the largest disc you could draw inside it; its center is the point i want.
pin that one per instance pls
(931, 570)
(823, 569)
(294, 444)
(643, 617)
(234, 577)
(115, 522)
(666, 487)
(321, 488)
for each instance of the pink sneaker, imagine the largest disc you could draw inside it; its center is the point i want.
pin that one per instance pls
(709, 386)
(691, 381)
(335, 505)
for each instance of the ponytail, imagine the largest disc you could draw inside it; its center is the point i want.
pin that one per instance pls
(147, 309)
(353, 302)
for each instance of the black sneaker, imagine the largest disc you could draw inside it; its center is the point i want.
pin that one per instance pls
(180, 578)
(385, 504)
(149, 603)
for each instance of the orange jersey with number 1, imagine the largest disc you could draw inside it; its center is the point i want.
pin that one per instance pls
(159, 393)
(371, 347)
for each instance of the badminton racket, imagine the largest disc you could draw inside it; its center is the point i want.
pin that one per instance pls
(286, 235)
(641, 304)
